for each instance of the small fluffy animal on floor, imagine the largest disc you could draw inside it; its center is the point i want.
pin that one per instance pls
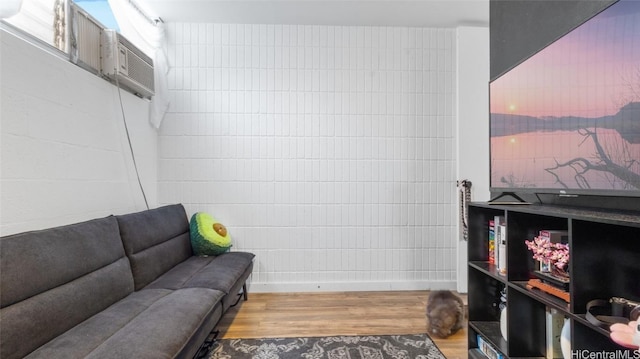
(445, 313)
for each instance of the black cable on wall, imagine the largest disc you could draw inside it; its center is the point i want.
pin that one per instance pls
(133, 156)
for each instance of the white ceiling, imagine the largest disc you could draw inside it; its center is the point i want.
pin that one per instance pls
(418, 13)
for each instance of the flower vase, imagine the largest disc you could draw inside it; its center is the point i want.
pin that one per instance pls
(545, 265)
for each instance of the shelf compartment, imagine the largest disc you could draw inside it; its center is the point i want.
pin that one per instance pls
(490, 331)
(526, 324)
(479, 232)
(521, 227)
(608, 265)
(483, 296)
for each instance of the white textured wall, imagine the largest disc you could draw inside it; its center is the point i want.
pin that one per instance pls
(327, 151)
(472, 140)
(63, 148)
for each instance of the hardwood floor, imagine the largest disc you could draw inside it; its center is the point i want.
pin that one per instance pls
(270, 315)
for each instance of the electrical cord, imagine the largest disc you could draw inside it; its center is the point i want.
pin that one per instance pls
(465, 197)
(133, 156)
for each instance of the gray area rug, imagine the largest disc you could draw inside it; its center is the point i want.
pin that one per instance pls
(339, 347)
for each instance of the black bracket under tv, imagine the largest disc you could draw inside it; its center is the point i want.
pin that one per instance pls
(517, 199)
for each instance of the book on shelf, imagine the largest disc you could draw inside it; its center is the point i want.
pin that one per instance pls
(501, 243)
(554, 321)
(476, 353)
(492, 242)
(487, 349)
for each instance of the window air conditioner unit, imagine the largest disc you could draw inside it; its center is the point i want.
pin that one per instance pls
(126, 65)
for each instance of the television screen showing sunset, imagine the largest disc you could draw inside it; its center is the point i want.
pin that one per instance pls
(568, 117)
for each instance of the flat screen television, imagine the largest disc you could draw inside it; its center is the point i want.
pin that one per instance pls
(566, 120)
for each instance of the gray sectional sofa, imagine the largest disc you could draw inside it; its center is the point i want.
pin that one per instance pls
(124, 286)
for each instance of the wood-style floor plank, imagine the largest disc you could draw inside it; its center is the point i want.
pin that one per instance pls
(272, 315)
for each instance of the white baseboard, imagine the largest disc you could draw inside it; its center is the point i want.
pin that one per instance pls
(349, 286)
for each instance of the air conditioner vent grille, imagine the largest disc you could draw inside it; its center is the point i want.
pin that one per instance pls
(125, 64)
(139, 69)
(86, 33)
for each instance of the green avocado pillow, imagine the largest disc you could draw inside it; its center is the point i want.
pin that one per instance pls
(208, 236)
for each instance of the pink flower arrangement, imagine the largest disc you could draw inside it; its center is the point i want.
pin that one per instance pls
(543, 250)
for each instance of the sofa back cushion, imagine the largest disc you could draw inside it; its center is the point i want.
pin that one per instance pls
(54, 279)
(155, 241)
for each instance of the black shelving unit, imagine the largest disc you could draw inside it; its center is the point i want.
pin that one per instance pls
(605, 262)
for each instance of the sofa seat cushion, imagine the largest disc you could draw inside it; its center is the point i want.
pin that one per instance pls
(223, 272)
(151, 323)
